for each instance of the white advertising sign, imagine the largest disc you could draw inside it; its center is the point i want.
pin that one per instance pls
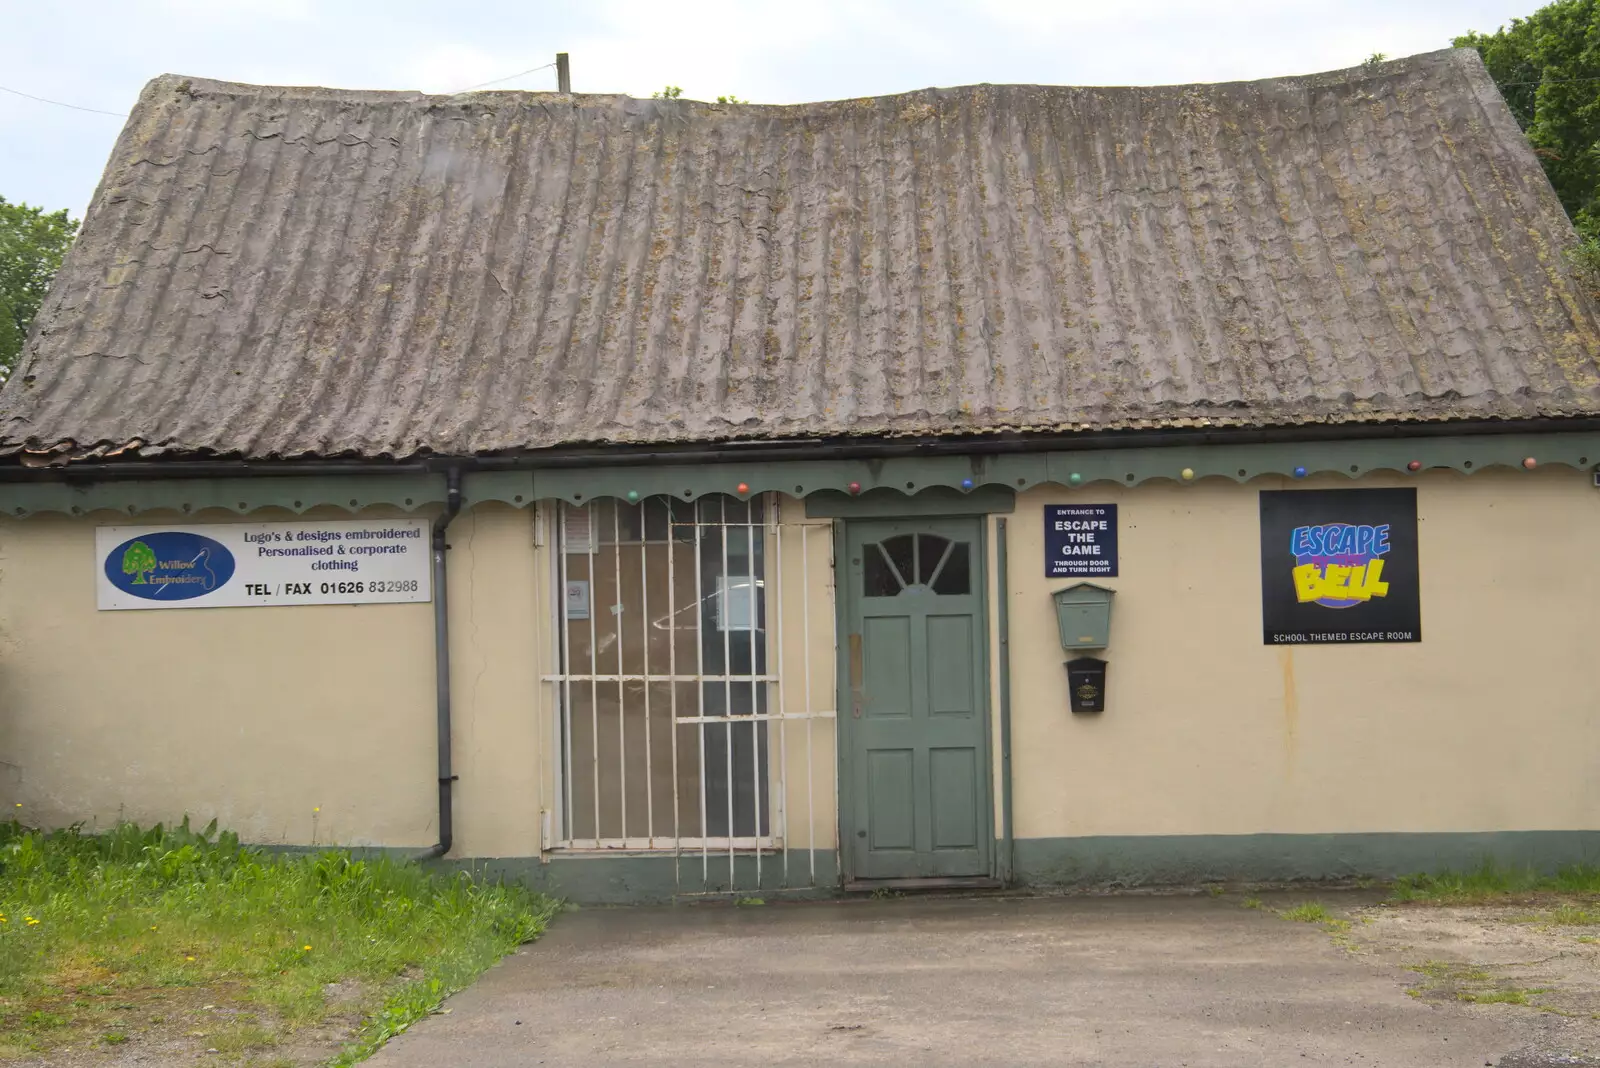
(233, 565)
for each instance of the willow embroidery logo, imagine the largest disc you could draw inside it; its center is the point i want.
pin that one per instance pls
(1339, 565)
(169, 565)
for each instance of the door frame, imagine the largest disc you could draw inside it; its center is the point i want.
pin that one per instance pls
(844, 731)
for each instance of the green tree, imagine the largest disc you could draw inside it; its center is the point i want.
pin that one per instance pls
(1547, 67)
(32, 242)
(138, 560)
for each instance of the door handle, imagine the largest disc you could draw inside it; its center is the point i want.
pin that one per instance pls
(855, 676)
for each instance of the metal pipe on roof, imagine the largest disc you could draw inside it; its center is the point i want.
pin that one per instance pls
(441, 662)
(1009, 443)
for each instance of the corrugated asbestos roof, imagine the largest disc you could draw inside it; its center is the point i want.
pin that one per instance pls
(278, 272)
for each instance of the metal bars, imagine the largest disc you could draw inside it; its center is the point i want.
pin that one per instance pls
(674, 714)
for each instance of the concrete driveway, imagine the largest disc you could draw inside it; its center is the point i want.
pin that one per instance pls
(1024, 981)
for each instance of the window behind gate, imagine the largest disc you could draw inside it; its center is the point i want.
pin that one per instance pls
(664, 677)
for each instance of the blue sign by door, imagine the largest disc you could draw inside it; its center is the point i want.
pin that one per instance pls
(1080, 541)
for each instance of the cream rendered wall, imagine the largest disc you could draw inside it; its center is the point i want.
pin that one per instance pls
(806, 660)
(258, 716)
(255, 716)
(499, 648)
(289, 725)
(1490, 723)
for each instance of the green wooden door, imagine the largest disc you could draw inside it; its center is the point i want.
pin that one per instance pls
(916, 747)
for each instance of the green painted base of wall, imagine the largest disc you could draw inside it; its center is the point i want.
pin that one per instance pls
(648, 879)
(632, 878)
(1155, 860)
(1041, 863)
(1067, 863)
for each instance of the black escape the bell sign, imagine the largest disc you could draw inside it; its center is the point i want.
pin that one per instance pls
(1080, 540)
(1339, 566)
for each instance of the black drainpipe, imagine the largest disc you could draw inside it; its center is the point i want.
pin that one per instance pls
(441, 661)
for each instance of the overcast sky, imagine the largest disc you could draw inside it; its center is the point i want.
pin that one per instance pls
(99, 53)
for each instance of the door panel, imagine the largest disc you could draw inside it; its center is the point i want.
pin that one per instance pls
(950, 666)
(916, 746)
(891, 799)
(886, 663)
(953, 797)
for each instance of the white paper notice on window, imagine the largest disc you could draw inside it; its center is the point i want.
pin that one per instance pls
(577, 599)
(579, 532)
(736, 602)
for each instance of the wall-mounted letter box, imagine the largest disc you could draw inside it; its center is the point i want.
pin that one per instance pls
(1083, 612)
(1086, 682)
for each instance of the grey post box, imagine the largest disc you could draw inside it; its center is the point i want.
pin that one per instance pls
(1083, 612)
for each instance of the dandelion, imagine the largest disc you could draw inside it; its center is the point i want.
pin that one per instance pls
(2, 919)
(306, 948)
(188, 958)
(152, 928)
(30, 921)
(316, 810)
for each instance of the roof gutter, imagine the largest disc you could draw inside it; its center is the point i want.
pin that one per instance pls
(764, 451)
(441, 664)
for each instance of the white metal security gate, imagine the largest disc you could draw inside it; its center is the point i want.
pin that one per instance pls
(675, 729)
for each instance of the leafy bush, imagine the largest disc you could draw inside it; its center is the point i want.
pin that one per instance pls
(1586, 258)
(1547, 67)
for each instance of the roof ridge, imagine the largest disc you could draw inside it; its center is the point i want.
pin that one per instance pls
(198, 85)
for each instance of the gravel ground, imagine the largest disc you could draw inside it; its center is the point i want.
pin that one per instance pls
(1147, 980)
(1173, 979)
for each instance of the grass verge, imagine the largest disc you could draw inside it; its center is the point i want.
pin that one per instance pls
(1316, 912)
(1491, 881)
(168, 939)
(1309, 912)
(1461, 981)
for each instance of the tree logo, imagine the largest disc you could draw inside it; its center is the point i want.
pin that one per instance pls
(139, 560)
(168, 565)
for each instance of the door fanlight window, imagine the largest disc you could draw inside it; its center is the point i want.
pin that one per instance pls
(916, 562)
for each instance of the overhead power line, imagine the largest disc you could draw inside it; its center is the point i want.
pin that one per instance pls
(61, 103)
(507, 78)
(123, 115)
